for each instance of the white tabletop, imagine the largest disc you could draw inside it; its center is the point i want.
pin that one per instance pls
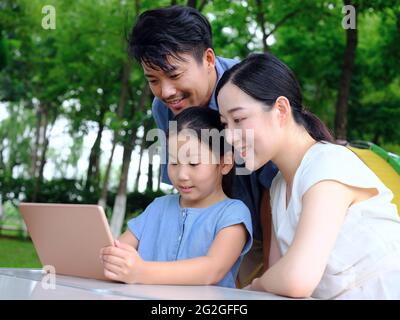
(27, 284)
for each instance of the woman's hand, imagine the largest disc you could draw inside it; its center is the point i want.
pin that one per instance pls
(254, 286)
(121, 262)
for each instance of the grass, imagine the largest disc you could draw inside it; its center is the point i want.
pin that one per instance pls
(16, 253)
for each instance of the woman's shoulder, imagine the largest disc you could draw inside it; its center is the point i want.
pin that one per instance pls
(329, 149)
(327, 161)
(330, 157)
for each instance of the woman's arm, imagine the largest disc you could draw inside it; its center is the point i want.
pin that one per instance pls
(122, 263)
(299, 271)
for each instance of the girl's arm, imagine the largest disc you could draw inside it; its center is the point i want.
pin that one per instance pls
(129, 238)
(299, 271)
(122, 262)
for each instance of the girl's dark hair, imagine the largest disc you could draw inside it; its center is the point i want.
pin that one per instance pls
(264, 77)
(169, 31)
(198, 118)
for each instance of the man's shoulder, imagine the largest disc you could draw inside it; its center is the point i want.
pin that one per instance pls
(226, 63)
(160, 113)
(157, 103)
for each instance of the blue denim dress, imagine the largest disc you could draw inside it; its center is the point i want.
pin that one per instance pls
(168, 232)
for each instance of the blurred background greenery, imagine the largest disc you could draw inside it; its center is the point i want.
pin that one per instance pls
(74, 109)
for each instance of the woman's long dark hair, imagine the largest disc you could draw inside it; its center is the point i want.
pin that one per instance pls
(198, 118)
(264, 77)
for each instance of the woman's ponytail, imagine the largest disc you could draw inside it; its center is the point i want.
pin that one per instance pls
(315, 127)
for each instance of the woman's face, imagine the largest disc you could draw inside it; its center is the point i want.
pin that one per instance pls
(254, 132)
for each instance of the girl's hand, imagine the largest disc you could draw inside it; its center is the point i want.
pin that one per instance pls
(121, 262)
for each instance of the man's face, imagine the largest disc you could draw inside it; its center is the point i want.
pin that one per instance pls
(188, 84)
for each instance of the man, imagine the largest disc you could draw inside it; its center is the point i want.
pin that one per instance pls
(174, 46)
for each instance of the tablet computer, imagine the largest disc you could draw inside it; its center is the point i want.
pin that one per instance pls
(68, 237)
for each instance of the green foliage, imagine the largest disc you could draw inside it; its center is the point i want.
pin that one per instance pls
(76, 71)
(374, 107)
(70, 191)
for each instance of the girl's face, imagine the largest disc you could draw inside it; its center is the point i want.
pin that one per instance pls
(194, 170)
(254, 132)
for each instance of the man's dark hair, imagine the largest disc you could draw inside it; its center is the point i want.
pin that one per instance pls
(169, 31)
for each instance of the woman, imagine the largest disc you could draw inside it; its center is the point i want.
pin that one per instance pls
(335, 234)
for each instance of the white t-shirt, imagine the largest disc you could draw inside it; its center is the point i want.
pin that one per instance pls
(365, 261)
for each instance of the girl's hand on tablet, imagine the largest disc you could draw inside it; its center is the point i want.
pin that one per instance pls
(122, 262)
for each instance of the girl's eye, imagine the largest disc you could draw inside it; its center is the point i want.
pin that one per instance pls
(174, 76)
(194, 164)
(152, 81)
(237, 120)
(173, 163)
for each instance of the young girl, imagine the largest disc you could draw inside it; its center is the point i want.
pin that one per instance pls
(335, 232)
(197, 237)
